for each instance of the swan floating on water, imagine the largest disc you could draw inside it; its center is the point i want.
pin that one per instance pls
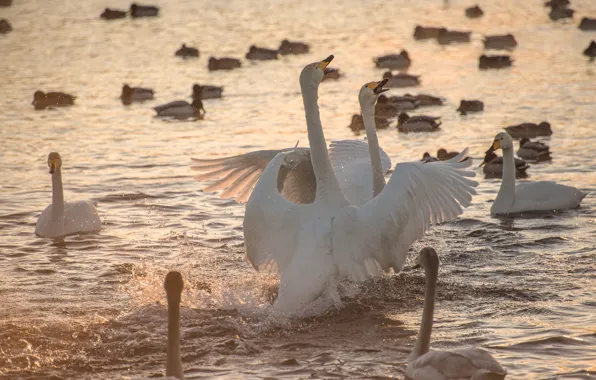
(312, 245)
(65, 218)
(528, 196)
(464, 364)
(173, 285)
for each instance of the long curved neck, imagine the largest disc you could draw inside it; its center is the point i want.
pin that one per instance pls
(57, 194)
(422, 344)
(174, 363)
(368, 115)
(328, 188)
(507, 190)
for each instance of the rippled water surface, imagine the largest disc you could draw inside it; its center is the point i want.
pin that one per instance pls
(92, 306)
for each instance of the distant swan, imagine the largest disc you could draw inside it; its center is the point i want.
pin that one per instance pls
(65, 218)
(464, 364)
(173, 285)
(529, 196)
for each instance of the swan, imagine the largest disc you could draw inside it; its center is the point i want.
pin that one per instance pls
(181, 109)
(293, 47)
(406, 124)
(173, 285)
(312, 245)
(464, 364)
(135, 94)
(528, 196)
(493, 166)
(65, 218)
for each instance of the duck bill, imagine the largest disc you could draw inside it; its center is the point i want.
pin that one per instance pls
(324, 63)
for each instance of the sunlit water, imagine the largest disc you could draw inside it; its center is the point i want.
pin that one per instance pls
(92, 306)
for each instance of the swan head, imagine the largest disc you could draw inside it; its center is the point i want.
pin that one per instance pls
(173, 285)
(312, 74)
(428, 259)
(54, 162)
(371, 91)
(502, 141)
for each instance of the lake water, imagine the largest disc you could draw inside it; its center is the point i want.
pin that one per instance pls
(92, 306)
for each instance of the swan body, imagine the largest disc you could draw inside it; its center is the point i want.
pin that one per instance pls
(464, 364)
(399, 61)
(401, 80)
(406, 124)
(225, 63)
(65, 218)
(181, 109)
(173, 286)
(313, 245)
(135, 94)
(529, 196)
(187, 51)
(293, 47)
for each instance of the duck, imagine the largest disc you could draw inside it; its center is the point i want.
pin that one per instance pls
(43, 100)
(494, 61)
(332, 73)
(500, 42)
(474, 12)
(534, 151)
(401, 80)
(5, 3)
(65, 218)
(135, 94)
(112, 14)
(173, 285)
(493, 166)
(406, 124)
(400, 103)
(181, 109)
(399, 61)
(426, 157)
(137, 10)
(225, 63)
(261, 54)
(557, 3)
(541, 196)
(427, 32)
(187, 52)
(590, 50)
(443, 155)
(559, 13)
(206, 92)
(447, 37)
(470, 363)
(529, 130)
(5, 26)
(467, 106)
(357, 124)
(424, 100)
(587, 24)
(293, 47)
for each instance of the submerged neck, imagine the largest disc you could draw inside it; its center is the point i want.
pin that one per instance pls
(174, 363)
(422, 344)
(507, 190)
(368, 115)
(57, 194)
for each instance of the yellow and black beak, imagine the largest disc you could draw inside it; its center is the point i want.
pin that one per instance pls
(52, 166)
(496, 145)
(324, 63)
(377, 87)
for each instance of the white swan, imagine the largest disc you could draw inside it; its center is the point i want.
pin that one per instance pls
(528, 196)
(65, 218)
(351, 160)
(173, 285)
(312, 244)
(463, 364)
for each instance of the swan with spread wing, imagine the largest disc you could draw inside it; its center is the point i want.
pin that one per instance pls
(311, 245)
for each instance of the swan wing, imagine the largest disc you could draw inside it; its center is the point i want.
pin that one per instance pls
(482, 359)
(351, 162)
(441, 365)
(417, 195)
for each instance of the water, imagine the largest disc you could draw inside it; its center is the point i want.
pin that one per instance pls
(92, 306)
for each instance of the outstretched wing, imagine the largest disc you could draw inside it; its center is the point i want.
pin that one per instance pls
(418, 194)
(351, 162)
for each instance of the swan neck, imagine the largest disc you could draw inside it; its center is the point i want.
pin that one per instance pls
(368, 116)
(422, 344)
(57, 194)
(507, 190)
(174, 362)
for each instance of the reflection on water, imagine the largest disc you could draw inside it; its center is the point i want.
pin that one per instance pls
(91, 306)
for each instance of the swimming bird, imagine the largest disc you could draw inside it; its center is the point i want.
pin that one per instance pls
(533, 151)
(463, 364)
(426, 157)
(224, 63)
(558, 13)
(399, 61)
(529, 130)
(261, 54)
(443, 155)
(181, 109)
(528, 196)
(494, 61)
(557, 3)
(587, 23)
(493, 166)
(332, 73)
(5, 3)
(187, 52)
(447, 37)
(65, 218)
(388, 107)
(407, 123)
(474, 12)
(293, 47)
(357, 123)
(137, 10)
(173, 286)
(135, 94)
(500, 42)
(401, 80)
(427, 32)
(467, 106)
(43, 100)
(112, 14)
(5, 26)
(206, 91)
(424, 100)
(591, 50)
